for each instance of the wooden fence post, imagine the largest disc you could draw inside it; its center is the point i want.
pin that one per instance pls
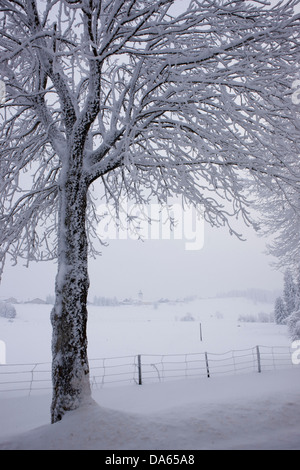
(140, 368)
(258, 359)
(32, 379)
(207, 367)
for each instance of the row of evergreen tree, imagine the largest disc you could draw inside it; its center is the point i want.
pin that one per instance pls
(287, 307)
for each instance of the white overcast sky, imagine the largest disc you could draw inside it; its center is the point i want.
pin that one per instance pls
(160, 268)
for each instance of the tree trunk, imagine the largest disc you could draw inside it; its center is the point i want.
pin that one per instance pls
(70, 369)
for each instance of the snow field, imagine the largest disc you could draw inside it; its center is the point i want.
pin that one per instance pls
(243, 411)
(134, 329)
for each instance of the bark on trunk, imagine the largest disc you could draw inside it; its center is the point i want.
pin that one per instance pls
(70, 369)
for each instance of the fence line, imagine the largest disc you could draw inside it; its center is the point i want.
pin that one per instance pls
(140, 369)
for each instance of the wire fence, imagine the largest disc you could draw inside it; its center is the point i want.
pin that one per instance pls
(141, 369)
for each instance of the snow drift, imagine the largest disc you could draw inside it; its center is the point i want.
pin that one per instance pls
(257, 411)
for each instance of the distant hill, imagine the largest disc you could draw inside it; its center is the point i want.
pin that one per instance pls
(256, 295)
(36, 301)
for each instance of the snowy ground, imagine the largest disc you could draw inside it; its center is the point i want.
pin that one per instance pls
(248, 411)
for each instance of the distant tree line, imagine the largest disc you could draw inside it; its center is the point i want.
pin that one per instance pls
(105, 301)
(287, 306)
(99, 301)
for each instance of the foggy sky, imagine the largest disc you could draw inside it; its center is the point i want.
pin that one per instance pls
(160, 268)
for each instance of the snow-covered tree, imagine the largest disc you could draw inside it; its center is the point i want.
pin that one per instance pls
(293, 323)
(279, 218)
(279, 311)
(7, 310)
(289, 292)
(148, 102)
(297, 288)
